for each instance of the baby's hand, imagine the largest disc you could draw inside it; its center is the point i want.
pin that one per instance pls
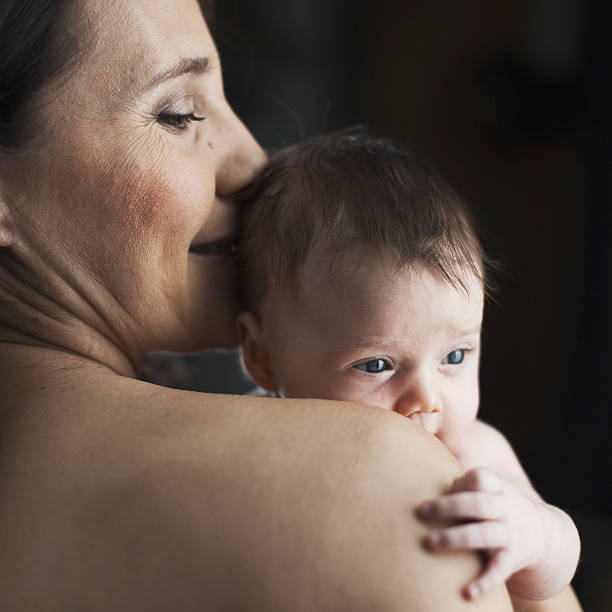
(507, 520)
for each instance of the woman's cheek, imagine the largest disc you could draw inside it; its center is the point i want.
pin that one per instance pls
(163, 182)
(166, 199)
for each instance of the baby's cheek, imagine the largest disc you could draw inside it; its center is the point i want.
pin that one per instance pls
(349, 391)
(298, 376)
(466, 412)
(474, 398)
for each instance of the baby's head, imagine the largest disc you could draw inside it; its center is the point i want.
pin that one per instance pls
(363, 280)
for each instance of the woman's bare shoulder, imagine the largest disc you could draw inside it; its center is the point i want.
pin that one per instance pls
(144, 498)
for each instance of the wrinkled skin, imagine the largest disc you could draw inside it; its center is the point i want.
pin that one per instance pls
(104, 213)
(125, 496)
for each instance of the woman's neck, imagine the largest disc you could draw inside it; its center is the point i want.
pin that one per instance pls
(66, 327)
(64, 346)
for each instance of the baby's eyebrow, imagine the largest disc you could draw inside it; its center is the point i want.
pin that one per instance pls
(378, 342)
(469, 332)
(383, 343)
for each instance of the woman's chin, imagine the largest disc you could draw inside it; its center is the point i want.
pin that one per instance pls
(206, 333)
(212, 306)
(198, 342)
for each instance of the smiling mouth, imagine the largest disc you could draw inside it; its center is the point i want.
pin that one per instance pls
(224, 247)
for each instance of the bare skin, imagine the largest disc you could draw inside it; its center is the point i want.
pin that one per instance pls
(129, 496)
(408, 342)
(121, 495)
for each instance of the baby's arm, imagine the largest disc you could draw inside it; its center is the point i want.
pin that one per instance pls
(529, 544)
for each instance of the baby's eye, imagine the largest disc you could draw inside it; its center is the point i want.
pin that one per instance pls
(373, 366)
(455, 357)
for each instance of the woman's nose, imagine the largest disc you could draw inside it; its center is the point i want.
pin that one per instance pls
(419, 395)
(240, 157)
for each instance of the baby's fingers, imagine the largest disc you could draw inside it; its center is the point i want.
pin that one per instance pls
(478, 479)
(471, 536)
(469, 505)
(496, 572)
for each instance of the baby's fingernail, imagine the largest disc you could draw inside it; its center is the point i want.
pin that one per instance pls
(425, 509)
(435, 538)
(473, 591)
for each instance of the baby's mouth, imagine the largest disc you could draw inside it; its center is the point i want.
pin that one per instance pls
(224, 247)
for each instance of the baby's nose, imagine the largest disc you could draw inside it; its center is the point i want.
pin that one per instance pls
(419, 397)
(420, 402)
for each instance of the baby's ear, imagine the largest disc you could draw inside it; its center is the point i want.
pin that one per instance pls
(254, 350)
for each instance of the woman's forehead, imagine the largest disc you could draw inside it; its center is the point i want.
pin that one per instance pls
(136, 39)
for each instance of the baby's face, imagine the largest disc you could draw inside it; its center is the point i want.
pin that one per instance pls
(404, 341)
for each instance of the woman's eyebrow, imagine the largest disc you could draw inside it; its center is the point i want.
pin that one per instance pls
(193, 65)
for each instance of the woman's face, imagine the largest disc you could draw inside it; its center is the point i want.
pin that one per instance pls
(134, 174)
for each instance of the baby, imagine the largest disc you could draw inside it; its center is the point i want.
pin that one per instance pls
(364, 281)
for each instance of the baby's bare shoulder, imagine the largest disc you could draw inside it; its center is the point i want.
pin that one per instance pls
(488, 435)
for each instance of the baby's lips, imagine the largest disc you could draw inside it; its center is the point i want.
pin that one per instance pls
(429, 421)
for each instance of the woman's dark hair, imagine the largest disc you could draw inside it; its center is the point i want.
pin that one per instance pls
(35, 46)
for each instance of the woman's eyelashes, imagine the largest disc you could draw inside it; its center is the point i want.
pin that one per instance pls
(177, 121)
(455, 357)
(374, 366)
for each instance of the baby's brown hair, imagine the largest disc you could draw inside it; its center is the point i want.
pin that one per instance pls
(349, 193)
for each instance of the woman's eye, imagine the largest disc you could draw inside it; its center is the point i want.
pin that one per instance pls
(455, 357)
(373, 366)
(176, 120)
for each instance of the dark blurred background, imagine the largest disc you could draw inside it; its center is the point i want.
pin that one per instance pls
(512, 100)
